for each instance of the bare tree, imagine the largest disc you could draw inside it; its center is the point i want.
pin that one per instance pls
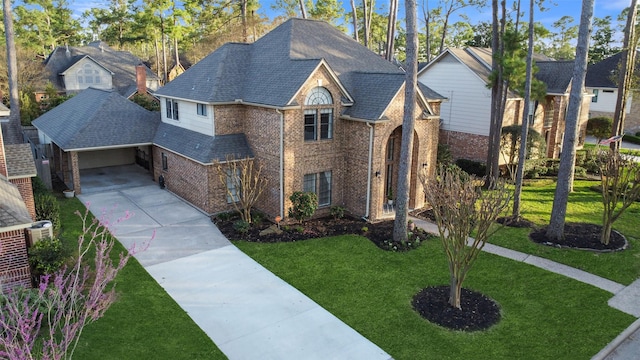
(627, 67)
(620, 185)
(555, 230)
(243, 183)
(303, 10)
(391, 29)
(451, 6)
(460, 207)
(14, 129)
(408, 123)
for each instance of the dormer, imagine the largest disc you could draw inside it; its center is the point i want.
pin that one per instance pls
(85, 72)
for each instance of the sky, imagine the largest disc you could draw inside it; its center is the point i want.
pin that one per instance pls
(557, 9)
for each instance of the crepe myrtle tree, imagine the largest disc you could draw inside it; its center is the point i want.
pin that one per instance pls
(620, 187)
(242, 180)
(461, 207)
(47, 322)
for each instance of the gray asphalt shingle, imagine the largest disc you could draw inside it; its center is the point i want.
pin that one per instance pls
(13, 210)
(98, 118)
(272, 70)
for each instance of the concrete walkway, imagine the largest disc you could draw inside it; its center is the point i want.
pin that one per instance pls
(246, 310)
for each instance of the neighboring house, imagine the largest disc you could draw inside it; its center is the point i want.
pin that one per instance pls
(317, 110)
(17, 212)
(462, 76)
(4, 112)
(96, 128)
(602, 82)
(73, 69)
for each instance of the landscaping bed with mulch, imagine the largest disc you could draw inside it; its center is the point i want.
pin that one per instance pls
(477, 312)
(380, 233)
(582, 236)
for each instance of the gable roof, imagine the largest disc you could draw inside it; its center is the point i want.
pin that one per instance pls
(556, 75)
(271, 71)
(95, 119)
(202, 148)
(13, 211)
(121, 63)
(603, 74)
(20, 163)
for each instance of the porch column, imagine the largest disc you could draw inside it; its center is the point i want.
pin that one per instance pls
(75, 171)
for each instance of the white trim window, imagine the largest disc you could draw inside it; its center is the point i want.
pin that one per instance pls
(320, 184)
(201, 109)
(172, 109)
(594, 99)
(318, 115)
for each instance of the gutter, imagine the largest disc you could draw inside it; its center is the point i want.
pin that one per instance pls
(107, 147)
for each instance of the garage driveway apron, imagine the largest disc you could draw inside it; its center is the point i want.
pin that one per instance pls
(246, 310)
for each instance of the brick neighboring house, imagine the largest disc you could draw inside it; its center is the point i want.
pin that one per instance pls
(316, 109)
(462, 76)
(602, 82)
(73, 69)
(17, 212)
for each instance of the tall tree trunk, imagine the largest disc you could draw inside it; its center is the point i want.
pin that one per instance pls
(498, 94)
(427, 21)
(627, 66)
(391, 29)
(164, 51)
(365, 19)
(455, 292)
(408, 123)
(303, 10)
(157, 48)
(526, 120)
(555, 230)
(355, 20)
(243, 15)
(13, 133)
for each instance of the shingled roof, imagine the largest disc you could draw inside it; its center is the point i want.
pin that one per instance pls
(556, 75)
(272, 70)
(604, 74)
(13, 211)
(20, 163)
(202, 148)
(96, 119)
(121, 63)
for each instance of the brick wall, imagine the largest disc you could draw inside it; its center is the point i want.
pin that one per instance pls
(465, 145)
(14, 264)
(26, 191)
(3, 159)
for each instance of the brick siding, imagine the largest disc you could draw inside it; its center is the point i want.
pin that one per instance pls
(26, 191)
(14, 264)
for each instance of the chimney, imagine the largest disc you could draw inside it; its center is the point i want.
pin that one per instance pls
(141, 79)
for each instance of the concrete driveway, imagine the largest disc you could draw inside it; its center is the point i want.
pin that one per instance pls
(246, 310)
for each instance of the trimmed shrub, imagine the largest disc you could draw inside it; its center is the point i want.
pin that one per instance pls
(599, 127)
(241, 226)
(632, 139)
(304, 205)
(337, 212)
(38, 186)
(46, 256)
(47, 208)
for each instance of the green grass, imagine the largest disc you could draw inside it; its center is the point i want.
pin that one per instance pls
(545, 315)
(622, 151)
(584, 206)
(144, 322)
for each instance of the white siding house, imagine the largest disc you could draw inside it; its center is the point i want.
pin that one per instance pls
(87, 73)
(189, 115)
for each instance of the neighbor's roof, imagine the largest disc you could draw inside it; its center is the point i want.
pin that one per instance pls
(272, 70)
(556, 75)
(202, 148)
(603, 74)
(20, 163)
(121, 63)
(13, 211)
(95, 119)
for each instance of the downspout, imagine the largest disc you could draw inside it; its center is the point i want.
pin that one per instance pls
(281, 163)
(370, 165)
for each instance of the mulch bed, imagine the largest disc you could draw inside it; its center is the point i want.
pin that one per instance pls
(478, 311)
(380, 233)
(581, 236)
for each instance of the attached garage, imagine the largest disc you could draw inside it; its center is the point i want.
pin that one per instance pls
(97, 129)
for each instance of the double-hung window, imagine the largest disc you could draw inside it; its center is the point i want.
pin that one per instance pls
(594, 99)
(320, 184)
(202, 109)
(318, 115)
(172, 109)
(233, 186)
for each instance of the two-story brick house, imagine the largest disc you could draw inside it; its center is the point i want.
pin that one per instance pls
(316, 109)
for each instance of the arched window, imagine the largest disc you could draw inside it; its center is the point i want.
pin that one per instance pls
(318, 105)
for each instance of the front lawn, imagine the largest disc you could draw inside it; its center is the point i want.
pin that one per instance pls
(544, 315)
(584, 206)
(144, 322)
